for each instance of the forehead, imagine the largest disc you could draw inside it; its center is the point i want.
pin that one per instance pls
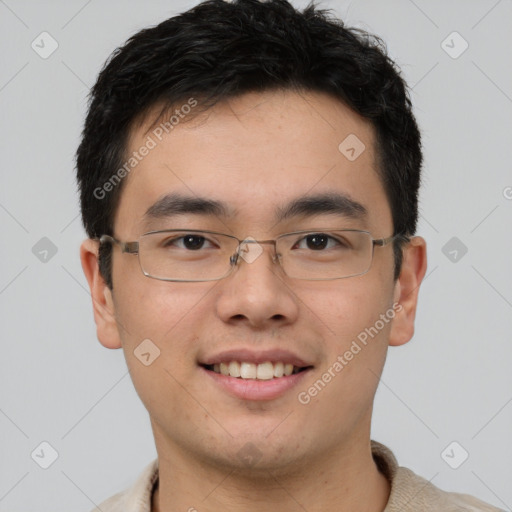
(255, 154)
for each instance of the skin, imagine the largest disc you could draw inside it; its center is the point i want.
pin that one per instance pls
(255, 153)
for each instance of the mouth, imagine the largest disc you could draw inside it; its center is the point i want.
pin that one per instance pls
(255, 381)
(268, 370)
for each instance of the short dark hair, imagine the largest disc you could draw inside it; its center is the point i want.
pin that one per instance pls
(219, 50)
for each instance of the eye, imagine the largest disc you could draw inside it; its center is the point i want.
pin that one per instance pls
(191, 242)
(318, 242)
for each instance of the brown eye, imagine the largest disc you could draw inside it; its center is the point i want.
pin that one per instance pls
(317, 241)
(189, 241)
(193, 242)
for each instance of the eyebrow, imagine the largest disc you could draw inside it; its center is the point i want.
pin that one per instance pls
(330, 203)
(339, 204)
(177, 204)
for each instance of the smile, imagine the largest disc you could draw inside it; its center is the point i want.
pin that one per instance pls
(263, 371)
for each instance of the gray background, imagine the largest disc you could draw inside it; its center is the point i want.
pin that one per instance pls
(451, 383)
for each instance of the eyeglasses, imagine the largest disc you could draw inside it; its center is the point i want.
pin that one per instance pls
(198, 255)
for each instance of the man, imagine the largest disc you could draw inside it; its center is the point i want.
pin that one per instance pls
(249, 178)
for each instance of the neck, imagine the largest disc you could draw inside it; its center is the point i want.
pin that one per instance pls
(345, 480)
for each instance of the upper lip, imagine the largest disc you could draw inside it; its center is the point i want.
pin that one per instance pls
(256, 357)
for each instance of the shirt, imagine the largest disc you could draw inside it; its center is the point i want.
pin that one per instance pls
(409, 492)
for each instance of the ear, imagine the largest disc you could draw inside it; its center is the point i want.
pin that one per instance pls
(407, 287)
(102, 300)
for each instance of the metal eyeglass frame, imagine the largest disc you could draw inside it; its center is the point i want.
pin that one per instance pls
(133, 248)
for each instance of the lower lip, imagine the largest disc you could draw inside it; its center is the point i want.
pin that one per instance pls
(253, 389)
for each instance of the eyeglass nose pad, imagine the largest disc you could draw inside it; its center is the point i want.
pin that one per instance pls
(233, 260)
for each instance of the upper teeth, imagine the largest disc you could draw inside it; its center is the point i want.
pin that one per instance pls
(263, 371)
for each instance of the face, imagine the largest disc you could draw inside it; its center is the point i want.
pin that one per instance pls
(257, 154)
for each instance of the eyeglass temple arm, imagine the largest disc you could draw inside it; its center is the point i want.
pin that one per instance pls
(384, 241)
(128, 247)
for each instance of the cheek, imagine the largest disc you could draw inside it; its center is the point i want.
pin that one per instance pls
(356, 321)
(169, 314)
(146, 307)
(356, 340)
(156, 322)
(345, 309)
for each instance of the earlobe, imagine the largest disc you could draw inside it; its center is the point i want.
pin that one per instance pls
(102, 300)
(407, 287)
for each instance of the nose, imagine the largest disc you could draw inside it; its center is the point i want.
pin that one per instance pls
(257, 293)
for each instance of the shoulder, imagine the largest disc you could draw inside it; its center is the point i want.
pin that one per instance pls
(410, 492)
(136, 498)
